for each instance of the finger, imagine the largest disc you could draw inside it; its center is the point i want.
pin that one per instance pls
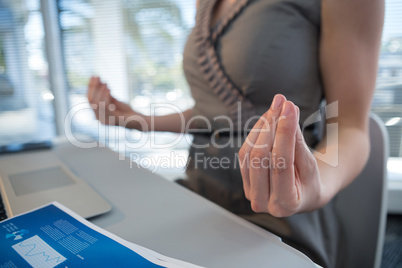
(108, 99)
(260, 157)
(304, 159)
(245, 151)
(282, 174)
(244, 155)
(105, 95)
(100, 93)
(97, 92)
(92, 85)
(103, 101)
(90, 88)
(302, 151)
(96, 103)
(272, 113)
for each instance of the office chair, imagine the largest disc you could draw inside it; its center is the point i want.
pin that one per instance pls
(362, 206)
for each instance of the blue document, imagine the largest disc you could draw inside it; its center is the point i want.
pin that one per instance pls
(53, 236)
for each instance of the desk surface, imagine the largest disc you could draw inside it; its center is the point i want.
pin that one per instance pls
(155, 213)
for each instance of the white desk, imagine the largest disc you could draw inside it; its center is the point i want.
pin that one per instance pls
(165, 217)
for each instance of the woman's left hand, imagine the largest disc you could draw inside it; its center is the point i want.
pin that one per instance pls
(280, 174)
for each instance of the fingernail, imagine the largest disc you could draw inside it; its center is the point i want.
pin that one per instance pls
(277, 102)
(287, 108)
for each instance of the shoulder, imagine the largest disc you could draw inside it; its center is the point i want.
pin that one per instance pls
(350, 43)
(361, 17)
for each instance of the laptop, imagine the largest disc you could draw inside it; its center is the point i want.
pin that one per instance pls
(33, 178)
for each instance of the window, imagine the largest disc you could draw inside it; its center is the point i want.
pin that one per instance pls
(26, 112)
(136, 47)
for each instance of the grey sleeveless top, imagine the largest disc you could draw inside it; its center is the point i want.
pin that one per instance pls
(261, 48)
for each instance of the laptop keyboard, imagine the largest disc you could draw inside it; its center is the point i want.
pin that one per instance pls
(3, 214)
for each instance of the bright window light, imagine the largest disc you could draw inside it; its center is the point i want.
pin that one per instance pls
(393, 121)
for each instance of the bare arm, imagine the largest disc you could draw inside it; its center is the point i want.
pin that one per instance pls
(349, 48)
(111, 111)
(176, 122)
(350, 43)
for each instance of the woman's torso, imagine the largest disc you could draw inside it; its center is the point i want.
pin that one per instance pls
(262, 48)
(269, 47)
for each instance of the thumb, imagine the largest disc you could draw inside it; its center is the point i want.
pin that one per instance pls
(304, 159)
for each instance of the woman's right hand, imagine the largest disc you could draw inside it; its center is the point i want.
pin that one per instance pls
(110, 111)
